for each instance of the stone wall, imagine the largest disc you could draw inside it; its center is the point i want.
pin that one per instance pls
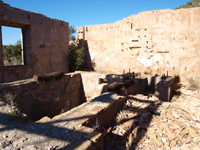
(45, 41)
(154, 42)
(44, 98)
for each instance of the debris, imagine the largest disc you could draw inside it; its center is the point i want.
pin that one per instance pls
(102, 80)
(177, 126)
(158, 142)
(23, 139)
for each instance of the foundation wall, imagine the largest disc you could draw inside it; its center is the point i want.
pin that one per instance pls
(151, 42)
(45, 40)
(44, 98)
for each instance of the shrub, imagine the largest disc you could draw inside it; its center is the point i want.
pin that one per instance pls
(12, 113)
(12, 54)
(75, 57)
(9, 99)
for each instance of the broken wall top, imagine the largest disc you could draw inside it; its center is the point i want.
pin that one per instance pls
(45, 43)
(18, 17)
(156, 19)
(151, 42)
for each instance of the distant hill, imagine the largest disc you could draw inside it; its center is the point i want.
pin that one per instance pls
(193, 3)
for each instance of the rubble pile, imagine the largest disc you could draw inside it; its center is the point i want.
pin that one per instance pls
(145, 122)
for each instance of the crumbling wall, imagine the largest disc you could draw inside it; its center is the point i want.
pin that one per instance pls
(47, 97)
(154, 42)
(45, 41)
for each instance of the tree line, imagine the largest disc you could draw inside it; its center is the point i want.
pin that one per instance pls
(12, 54)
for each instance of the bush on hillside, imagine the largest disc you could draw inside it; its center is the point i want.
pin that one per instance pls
(12, 54)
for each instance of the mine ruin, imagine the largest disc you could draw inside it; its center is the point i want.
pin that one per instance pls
(140, 90)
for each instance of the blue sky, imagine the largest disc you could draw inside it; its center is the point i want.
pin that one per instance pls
(86, 12)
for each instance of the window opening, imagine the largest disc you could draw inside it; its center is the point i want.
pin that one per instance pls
(12, 43)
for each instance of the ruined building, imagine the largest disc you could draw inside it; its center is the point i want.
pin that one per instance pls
(152, 42)
(45, 43)
(137, 64)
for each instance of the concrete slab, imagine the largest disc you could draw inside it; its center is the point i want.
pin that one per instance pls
(89, 118)
(87, 113)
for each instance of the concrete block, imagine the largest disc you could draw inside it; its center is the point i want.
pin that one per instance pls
(103, 118)
(139, 86)
(89, 118)
(164, 90)
(90, 82)
(88, 113)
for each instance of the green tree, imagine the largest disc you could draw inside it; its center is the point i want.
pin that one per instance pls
(75, 57)
(12, 54)
(193, 3)
(72, 31)
(75, 52)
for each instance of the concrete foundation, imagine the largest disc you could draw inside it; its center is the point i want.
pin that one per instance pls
(97, 114)
(44, 98)
(59, 100)
(93, 88)
(90, 82)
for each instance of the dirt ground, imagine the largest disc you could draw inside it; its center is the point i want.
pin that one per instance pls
(17, 132)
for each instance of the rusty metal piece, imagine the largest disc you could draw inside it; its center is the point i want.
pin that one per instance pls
(133, 75)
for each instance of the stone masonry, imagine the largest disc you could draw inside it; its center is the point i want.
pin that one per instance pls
(153, 42)
(45, 40)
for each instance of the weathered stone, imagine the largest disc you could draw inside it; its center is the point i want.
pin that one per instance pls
(43, 77)
(47, 97)
(44, 120)
(141, 42)
(45, 43)
(158, 142)
(164, 89)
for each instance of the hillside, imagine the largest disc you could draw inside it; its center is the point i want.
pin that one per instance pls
(193, 3)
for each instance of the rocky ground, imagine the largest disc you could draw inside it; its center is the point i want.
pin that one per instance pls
(144, 123)
(17, 132)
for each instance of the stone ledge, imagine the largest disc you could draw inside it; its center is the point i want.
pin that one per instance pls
(90, 116)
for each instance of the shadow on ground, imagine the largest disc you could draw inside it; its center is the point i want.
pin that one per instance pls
(47, 130)
(136, 126)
